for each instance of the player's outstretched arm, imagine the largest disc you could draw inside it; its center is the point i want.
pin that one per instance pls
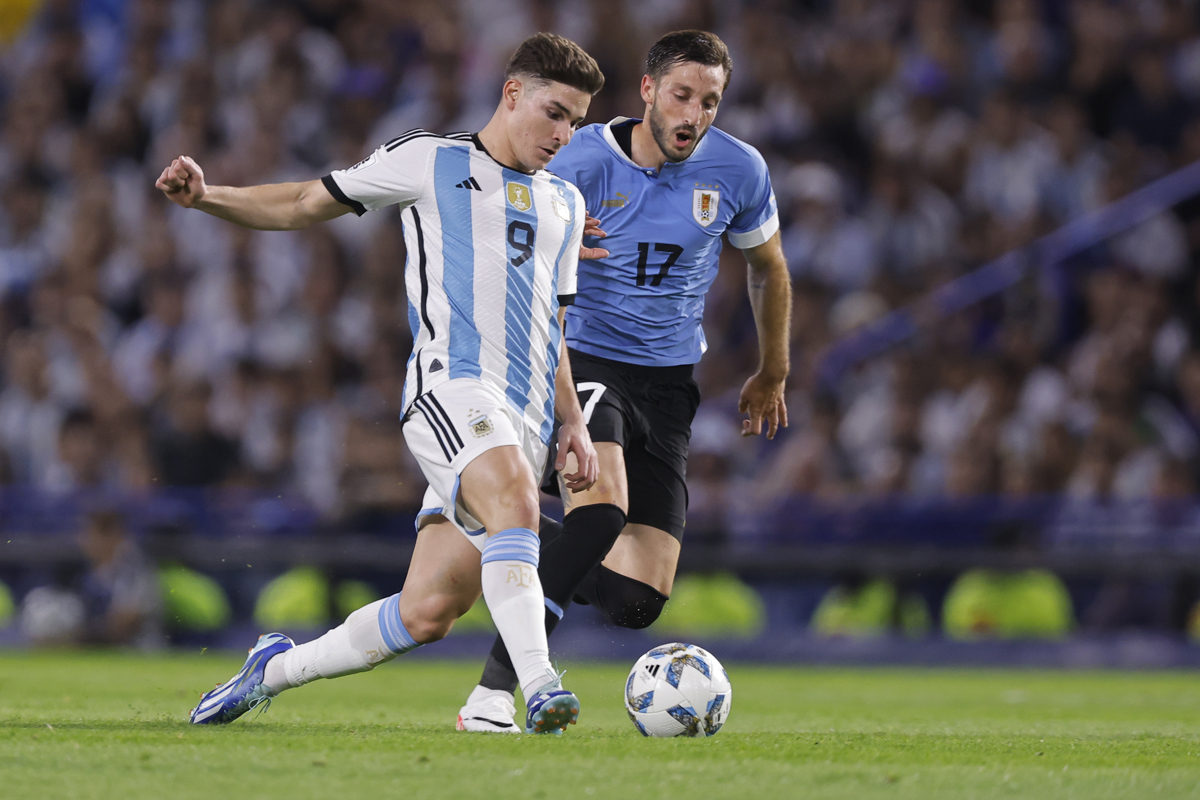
(270, 207)
(573, 436)
(770, 288)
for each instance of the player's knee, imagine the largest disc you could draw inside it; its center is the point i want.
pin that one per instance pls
(426, 630)
(639, 614)
(628, 603)
(432, 619)
(519, 509)
(610, 492)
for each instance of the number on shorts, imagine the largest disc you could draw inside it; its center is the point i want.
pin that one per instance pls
(597, 391)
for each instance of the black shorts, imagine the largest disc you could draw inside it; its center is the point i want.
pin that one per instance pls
(649, 412)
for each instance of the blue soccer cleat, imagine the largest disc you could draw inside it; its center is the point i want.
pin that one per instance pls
(245, 690)
(551, 709)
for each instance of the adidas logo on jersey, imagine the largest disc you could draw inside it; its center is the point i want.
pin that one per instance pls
(469, 183)
(436, 366)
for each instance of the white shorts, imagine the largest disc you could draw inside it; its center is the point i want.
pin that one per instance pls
(448, 428)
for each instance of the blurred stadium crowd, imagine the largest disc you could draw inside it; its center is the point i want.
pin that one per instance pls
(909, 143)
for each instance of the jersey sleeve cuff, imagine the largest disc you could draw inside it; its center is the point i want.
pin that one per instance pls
(341, 197)
(760, 235)
(566, 299)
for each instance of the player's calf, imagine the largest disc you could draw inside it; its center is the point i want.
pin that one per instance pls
(430, 618)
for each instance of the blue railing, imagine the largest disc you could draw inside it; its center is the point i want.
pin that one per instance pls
(1077, 236)
(1048, 522)
(201, 512)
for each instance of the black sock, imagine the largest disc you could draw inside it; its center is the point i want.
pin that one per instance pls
(587, 535)
(587, 592)
(549, 529)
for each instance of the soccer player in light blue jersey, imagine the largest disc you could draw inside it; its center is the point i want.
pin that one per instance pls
(666, 189)
(493, 242)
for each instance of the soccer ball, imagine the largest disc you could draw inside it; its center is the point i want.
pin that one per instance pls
(678, 690)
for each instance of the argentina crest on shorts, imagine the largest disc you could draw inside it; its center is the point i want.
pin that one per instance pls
(704, 206)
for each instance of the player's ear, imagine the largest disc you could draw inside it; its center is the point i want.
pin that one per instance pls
(511, 93)
(648, 89)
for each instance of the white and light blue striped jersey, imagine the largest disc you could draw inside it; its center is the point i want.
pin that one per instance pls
(492, 253)
(645, 302)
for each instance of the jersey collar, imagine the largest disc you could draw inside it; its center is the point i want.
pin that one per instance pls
(616, 146)
(479, 146)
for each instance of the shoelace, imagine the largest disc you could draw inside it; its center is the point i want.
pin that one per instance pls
(555, 684)
(261, 703)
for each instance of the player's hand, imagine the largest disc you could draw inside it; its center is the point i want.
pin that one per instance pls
(183, 182)
(591, 227)
(574, 439)
(762, 398)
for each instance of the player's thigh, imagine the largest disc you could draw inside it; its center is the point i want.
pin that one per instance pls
(478, 455)
(442, 582)
(499, 489)
(646, 554)
(612, 485)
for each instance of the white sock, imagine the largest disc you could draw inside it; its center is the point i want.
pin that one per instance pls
(514, 597)
(370, 636)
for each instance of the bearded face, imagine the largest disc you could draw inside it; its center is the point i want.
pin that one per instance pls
(682, 105)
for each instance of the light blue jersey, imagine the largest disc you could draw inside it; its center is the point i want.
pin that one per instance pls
(645, 302)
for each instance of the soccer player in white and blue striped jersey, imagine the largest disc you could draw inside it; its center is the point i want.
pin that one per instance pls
(493, 242)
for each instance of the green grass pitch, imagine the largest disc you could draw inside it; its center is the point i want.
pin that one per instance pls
(112, 726)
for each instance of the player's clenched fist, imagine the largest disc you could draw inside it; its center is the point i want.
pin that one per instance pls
(183, 182)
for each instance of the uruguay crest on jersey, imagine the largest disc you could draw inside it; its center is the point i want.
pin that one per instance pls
(704, 205)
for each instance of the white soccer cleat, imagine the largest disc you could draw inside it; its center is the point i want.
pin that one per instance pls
(488, 711)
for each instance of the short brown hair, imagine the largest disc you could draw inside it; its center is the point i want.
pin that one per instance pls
(679, 47)
(549, 57)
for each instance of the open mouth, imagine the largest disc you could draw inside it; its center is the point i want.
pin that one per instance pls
(683, 139)
(549, 153)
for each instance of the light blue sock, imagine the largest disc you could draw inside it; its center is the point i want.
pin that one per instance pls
(391, 627)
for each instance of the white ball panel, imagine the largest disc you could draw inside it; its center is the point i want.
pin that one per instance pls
(661, 724)
(666, 696)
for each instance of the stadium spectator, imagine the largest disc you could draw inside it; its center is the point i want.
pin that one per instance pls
(120, 588)
(823, 243)
(115, 601)
(80, 463)
(187, 451)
